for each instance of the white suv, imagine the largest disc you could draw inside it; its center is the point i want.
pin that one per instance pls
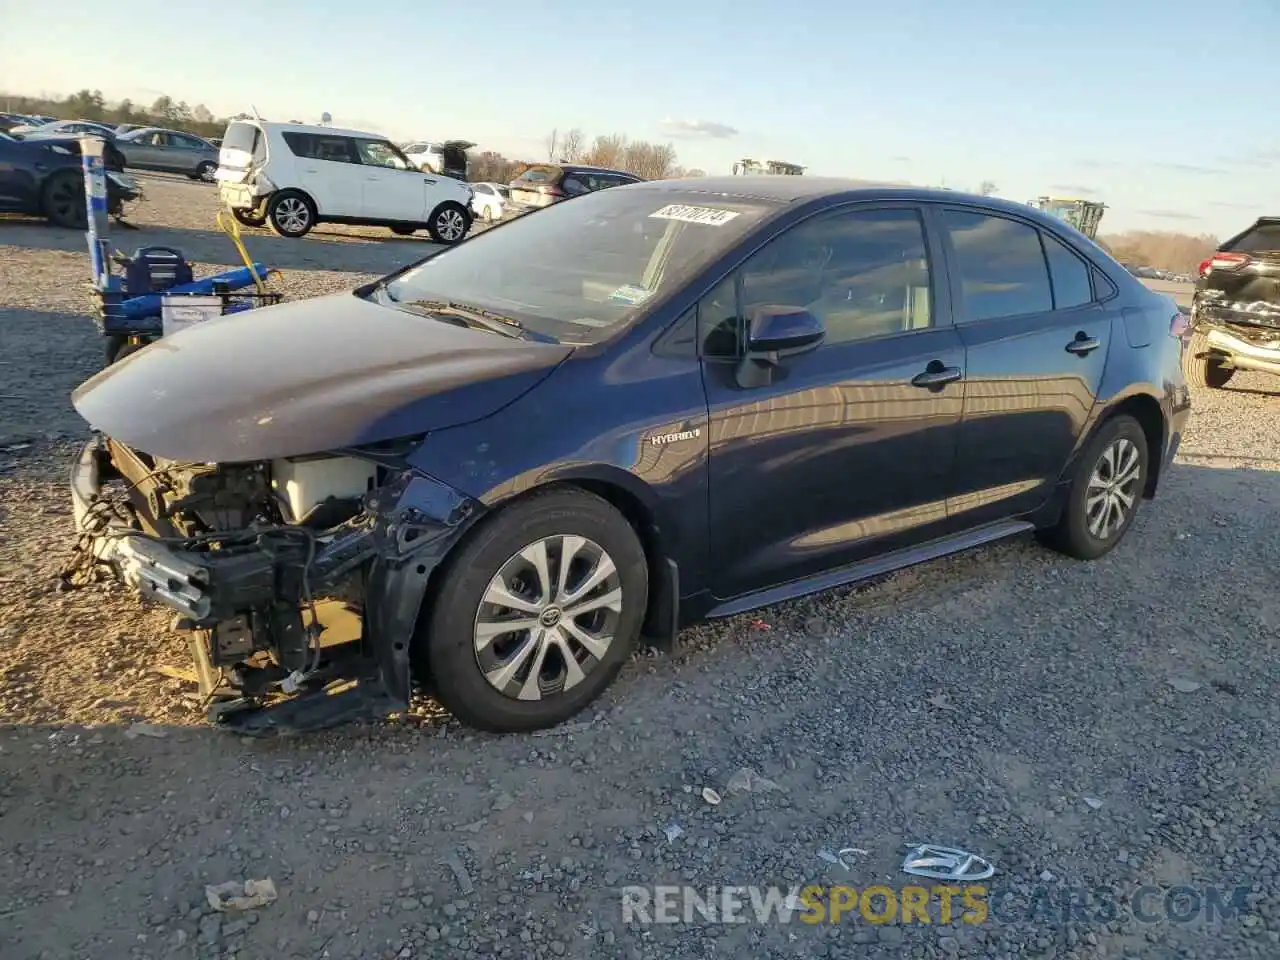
(293, 176)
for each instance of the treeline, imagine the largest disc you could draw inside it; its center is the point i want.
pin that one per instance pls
(650, 161)
(91, 105)
(1162, 249)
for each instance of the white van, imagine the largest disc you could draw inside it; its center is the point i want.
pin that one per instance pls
(292, 176)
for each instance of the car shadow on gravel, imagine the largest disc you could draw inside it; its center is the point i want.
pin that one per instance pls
(322, 250)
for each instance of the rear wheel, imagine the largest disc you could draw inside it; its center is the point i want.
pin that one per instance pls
(537, 613)
(206, 171)
(63, 200)
(1105, 491)
(251, 218)
(1201, 367)
(449, 223)
(291, 214)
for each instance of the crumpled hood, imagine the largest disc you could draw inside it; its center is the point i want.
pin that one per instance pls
(307, 377)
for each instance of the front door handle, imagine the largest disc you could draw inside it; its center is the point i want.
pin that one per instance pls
(1083, 344)
(937, 375)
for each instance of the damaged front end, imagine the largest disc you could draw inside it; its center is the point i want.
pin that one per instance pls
(297, 581)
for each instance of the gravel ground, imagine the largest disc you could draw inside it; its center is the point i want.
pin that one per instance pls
(1082, 725)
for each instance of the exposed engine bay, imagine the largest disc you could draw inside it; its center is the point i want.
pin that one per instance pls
(288, 576)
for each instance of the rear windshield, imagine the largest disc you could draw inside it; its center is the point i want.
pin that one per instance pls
(543, 173)
(578, 269)
(240, 136)
(1263, 238)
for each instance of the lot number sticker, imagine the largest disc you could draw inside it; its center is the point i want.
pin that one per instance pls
(707, 216)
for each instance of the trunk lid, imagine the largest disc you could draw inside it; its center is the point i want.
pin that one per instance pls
(307, 377)
(244, 146)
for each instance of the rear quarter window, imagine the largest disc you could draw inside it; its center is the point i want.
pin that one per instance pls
(1263, 238)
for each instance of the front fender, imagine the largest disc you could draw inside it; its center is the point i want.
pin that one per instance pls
(424, 519)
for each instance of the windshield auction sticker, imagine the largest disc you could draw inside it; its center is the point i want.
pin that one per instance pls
(707, 216)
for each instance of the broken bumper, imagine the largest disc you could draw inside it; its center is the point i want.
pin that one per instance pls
(265, 581)
(1244, 354)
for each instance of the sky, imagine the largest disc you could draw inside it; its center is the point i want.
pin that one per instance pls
(1162, 109)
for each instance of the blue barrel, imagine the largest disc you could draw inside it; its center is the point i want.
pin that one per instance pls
(149, 304)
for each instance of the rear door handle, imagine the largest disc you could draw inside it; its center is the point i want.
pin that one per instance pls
(937, 375)
(1083, 344)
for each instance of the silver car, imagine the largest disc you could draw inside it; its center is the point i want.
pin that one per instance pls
(172, 151)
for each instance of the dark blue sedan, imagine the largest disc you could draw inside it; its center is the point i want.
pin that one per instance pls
(654, 404)
(43, 177)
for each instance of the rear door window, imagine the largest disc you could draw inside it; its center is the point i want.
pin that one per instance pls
(1001, 264)
(1070, 275)
(314, 146)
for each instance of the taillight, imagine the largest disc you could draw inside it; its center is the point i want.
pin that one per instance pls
(1223, 261)
(1179, 325)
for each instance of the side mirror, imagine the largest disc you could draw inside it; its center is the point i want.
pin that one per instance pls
(773, 334)
(777, 332)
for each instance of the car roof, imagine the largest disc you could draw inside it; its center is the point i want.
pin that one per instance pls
(780, 188)
(312, 128)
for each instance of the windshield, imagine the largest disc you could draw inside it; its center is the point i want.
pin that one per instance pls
(577, 269)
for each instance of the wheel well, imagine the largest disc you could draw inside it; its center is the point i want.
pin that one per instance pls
(642, 522)
(1146, 410)
(292, 191)
(633, 510)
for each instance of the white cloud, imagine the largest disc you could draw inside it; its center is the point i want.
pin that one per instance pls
(698, 128)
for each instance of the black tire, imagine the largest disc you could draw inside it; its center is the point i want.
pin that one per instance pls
(251, 218)
(205, 171)
(62, 200)
(119, 347)
(1073, 534)
(1199, 365)
(447, 220)
(291, 213)
(403, 231)
(448, 645)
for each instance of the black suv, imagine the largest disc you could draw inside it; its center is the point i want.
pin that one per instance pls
(546, 183)
(1235, 313)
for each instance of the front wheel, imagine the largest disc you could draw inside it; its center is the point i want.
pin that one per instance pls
(537, 613)
(206, 171)
(449, 223)
(63, 200)
(1105, 492)
(1201, 367)
(291, 214)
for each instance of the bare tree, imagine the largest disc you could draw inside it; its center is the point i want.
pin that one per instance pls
(987, 188)
(571, 144)
(553, 145)
(607, 151)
